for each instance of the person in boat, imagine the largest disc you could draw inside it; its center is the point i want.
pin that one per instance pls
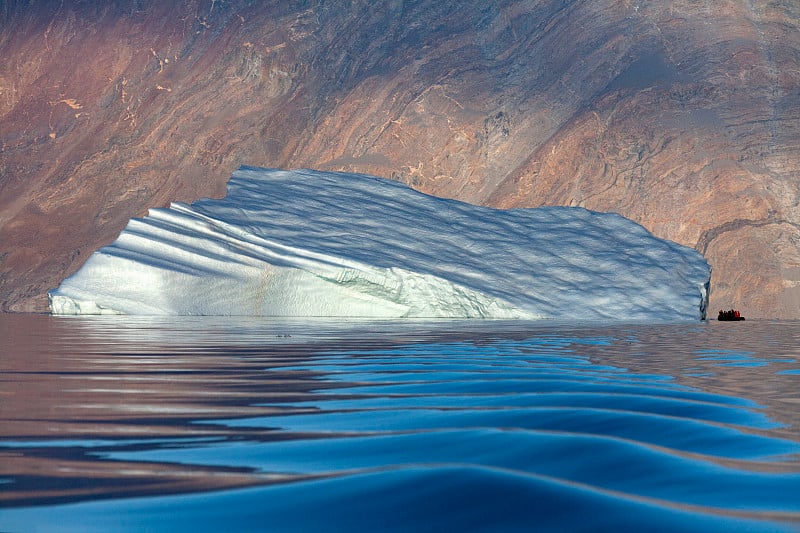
(733, 314)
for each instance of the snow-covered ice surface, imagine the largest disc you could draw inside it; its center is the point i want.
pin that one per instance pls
(309, 243)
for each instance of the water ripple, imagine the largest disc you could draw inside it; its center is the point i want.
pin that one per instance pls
(577, 430)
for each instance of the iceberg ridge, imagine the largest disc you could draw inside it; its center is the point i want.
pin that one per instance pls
(310, 243)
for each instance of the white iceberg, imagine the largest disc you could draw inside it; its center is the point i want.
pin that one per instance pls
(309, 243)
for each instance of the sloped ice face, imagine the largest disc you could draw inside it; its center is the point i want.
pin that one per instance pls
(308, 243)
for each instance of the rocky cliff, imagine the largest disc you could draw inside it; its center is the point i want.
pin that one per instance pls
(684, 116)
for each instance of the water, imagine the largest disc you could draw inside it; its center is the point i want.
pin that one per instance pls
(206, 424)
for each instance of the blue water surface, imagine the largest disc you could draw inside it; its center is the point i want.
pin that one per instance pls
(201, 425)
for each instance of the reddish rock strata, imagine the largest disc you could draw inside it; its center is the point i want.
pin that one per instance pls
(684, 116)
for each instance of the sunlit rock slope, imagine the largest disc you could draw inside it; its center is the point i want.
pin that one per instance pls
(683, 116)
(308, 243)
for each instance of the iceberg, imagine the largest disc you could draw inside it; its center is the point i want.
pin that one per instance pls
(306, 243)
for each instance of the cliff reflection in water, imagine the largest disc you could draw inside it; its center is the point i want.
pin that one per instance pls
(436, 424)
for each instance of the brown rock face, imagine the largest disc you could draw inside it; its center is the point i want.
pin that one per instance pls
(683, 116)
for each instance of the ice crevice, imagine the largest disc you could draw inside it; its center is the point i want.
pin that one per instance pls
(311, 243)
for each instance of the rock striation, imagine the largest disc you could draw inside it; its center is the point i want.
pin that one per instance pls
(683, 116)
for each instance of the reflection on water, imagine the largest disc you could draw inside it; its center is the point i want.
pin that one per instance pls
(120, 423)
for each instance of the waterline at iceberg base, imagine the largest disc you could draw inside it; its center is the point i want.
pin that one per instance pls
(310, 243)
